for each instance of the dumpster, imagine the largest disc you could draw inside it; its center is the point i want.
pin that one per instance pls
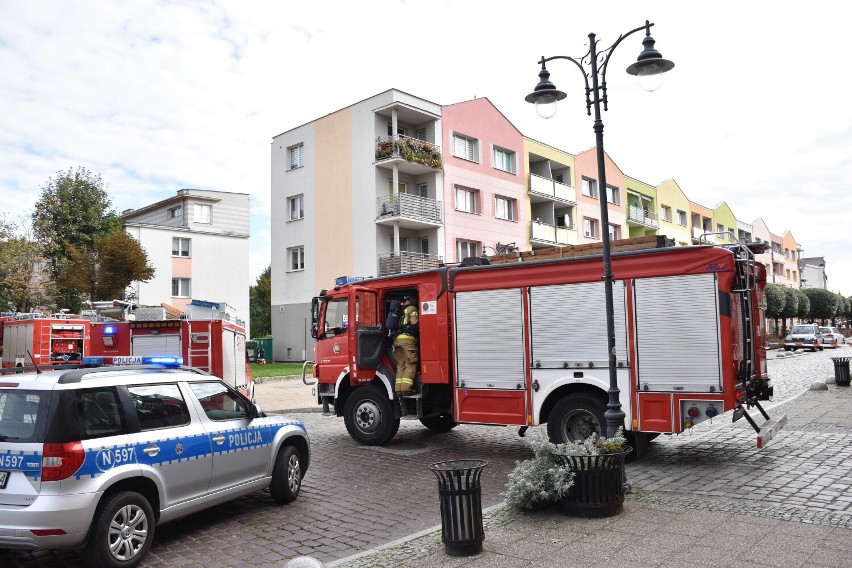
(263, 349)
(461, 505)
(841, 370)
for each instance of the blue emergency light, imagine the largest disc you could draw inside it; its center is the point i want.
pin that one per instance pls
(110, 329)
(164, 360)
(93, 360)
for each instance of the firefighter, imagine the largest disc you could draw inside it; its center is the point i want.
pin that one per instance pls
(405, 348)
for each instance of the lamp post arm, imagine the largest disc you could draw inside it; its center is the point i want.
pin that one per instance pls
(582, 69)
(607, 53)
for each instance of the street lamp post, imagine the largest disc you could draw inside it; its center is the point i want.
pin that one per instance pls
(649, 67)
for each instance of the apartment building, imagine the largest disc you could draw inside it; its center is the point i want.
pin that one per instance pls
(395, 183)
(198, 241)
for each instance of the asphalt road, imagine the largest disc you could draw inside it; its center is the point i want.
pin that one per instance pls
(355, 498)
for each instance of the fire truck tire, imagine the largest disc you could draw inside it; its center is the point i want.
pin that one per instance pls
(442, 423)
(286, 475)
(575, 418)
(369, 417)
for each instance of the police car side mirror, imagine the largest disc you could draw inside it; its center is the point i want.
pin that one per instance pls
(255, 411)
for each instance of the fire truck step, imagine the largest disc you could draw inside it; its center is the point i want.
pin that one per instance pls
(769, 428)
(410, 396)
(409, 417)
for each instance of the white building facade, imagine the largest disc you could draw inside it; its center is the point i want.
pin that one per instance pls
(198, 242)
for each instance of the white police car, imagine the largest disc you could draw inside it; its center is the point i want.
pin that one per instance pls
(96, 458)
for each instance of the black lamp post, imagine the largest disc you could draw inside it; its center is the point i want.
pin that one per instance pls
(649, 67)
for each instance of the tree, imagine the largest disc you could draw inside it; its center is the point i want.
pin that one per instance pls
(775, 299)
(823, 304)
(105, 271)
(23, 284)
(804, 309)
(74, 210)
(260, 305)
(841, 311)
(791, 307)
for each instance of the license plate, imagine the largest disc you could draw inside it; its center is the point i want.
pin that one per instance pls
(4, 477)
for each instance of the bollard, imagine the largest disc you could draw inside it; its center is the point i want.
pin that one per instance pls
(841, 371)
(461, 505)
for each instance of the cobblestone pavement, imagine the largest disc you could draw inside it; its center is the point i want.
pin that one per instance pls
(357, 498)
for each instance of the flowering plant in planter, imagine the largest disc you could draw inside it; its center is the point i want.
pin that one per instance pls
(543, 480)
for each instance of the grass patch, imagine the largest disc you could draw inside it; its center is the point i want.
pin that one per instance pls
(277, 369)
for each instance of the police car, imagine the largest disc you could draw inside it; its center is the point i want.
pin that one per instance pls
(97, 458)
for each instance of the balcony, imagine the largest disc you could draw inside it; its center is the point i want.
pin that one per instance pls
(545, 233)
(546, 189)
(403, 262)
(708, 239)
(413, 156)
(641, 216)
(409, 211)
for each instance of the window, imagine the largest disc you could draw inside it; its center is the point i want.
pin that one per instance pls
(720, 228)
(101, 412)
(297, 258)
(423, 190)
(401, 131)
(504, 208)
(424, 246)
(557, 177)
(465, 148)
(176, 212)
(590, 188)
(613, 195)
(614, 232)
(180, 246)
(219, 402)
(504, 160)
(465, 249)
(421, 134)
(180, 287)
(297, 156)
(681, 218)
(201, 213)
(466, 200)
(297, 207)
(590, 228)
(666, 213)
(159, 406)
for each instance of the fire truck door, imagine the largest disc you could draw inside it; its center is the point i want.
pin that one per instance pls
(365, 333)
(491, 374)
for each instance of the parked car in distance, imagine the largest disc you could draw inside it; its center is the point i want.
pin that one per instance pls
(804, 336)
(831, 337)
(97, 458)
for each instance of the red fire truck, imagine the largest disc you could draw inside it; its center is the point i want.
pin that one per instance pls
(215, 346)
(30, 340)
(524, 343)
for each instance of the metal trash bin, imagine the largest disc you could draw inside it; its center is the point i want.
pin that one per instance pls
(461, 505)
(841, 370)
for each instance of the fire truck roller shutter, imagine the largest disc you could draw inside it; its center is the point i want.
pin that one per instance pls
(677, 333)
(490, 338)
(153, 345)
(568, 323)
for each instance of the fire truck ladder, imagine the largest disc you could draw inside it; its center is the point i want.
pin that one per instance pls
(745, 282)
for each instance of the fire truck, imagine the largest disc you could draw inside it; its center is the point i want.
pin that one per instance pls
(215, 346)
(33, 339)
(521, 340)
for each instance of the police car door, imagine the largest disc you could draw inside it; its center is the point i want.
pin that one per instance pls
(170, 445)
(241, 446)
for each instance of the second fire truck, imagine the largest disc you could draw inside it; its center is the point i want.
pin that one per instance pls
(524, 343)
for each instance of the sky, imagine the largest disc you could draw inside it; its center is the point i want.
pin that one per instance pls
(157, 96)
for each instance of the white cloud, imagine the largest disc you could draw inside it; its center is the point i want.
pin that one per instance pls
(157, 96)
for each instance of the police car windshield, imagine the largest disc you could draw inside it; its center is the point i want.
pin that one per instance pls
(803, 329)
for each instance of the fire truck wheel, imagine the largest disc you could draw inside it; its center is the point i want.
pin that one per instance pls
(286, 475)
(369, 417)
(442, 423)
(575, 418)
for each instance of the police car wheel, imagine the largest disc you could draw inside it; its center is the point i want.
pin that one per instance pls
(121, 532)
(369, 417)
(575, 418)
(286, 475)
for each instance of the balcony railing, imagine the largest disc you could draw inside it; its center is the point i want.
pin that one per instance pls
(410, 149)
(541, 231)
(642, 216)
(552, 188)
(409, 206)
(403, 262)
